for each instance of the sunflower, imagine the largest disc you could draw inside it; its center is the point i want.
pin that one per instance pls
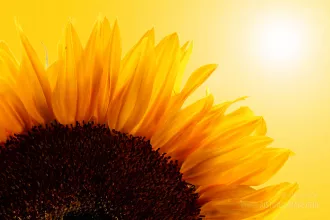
(97, 136)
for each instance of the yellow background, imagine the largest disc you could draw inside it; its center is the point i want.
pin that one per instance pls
(295, 101)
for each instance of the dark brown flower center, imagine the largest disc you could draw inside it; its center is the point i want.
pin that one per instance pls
(87, 171)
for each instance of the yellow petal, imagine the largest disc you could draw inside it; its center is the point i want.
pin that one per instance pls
(32, 72)
(168, 64)
(255, 205)
(9, 65)
(124, 76)
(254, 170)
(186, 51)
(231, 129)
(133, 92)
(89, 77)
(180, 125)
(52, 72)
(31, 94)
(113, 51)
(111, 68)
(193, 140)
(264, 168)
(35, 65)
(206, 160)
(65, 91)
(261, 128)
(228, 134)
(136, 94)
(222, 192)
(197, 78)
(6, 50)
(13, 115)
(189, 143)
(242, 112)
(217, 113)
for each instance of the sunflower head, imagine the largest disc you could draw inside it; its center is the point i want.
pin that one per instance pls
(95, 135)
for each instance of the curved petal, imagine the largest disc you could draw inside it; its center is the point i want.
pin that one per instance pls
(133, 98)
(231, 128)
(8, 64)
(52, 72)
(224, 158)
(255, 169)
(168, 56)
(261, 170)
(180, 125)
(109, 76)
(248, 204)
(34, 87)
(222, 192)
(196, 79)
(195, 139)
(13, 115)
(186, 51)
(220, 138)
(89, 77)
(65, 94)
(136, 95)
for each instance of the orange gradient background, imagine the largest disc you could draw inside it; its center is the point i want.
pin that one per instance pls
(294, 99)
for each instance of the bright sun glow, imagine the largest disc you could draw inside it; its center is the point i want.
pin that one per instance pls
(279, 41)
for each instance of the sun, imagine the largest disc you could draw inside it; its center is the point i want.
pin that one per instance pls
(279, 41)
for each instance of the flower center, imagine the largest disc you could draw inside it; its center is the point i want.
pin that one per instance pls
(87, 171)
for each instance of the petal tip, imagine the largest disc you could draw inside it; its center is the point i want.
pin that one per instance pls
(116, 24)
(100, 17)
(105, 21)
(18, 27)
(291, 153)
(214, 66)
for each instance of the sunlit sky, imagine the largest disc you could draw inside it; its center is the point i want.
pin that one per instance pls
(276, 52)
